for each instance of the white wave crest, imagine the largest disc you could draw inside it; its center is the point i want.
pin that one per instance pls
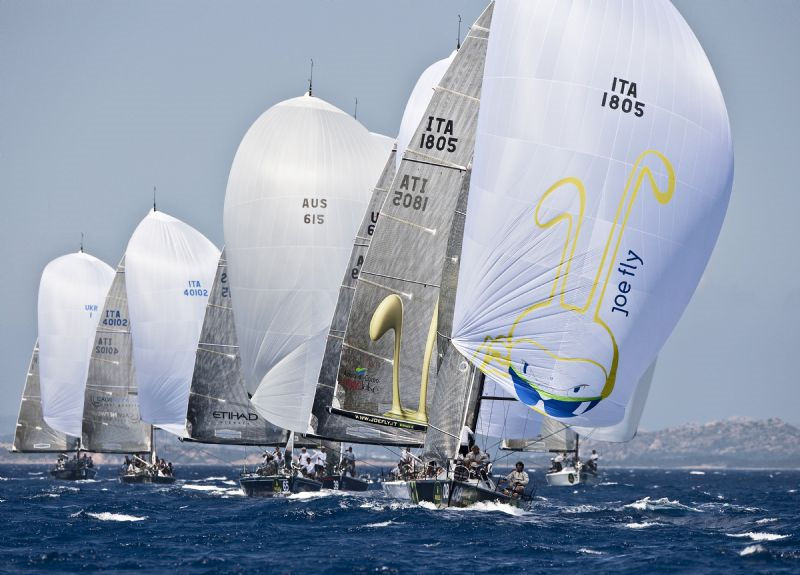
(590, 551)
(583, 508)
(223, 478)
(492, 506)
(697, 473)
(752, 550)
(767, 520)
(759, 536)
(382, 524)
(642, 525)
(107, 516)
(607, 483)
(214, 490)
(306, 495)
(661, 504)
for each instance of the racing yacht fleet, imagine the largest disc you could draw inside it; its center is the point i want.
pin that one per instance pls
(504, 271)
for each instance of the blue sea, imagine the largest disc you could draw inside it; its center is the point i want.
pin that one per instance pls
(634, 521)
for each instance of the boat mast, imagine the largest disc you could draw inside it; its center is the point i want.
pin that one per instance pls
(152, 445)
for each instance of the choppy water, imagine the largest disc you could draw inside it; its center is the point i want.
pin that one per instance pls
(633, 522)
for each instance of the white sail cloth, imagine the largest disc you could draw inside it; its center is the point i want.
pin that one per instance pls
(170, 269)
(418, 102)
(601, 176)
(72, 292)
(297, 191)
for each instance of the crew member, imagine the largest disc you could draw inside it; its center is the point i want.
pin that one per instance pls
(593, 460)
(475, 459)
(349, 462)
(467, 441)
(517, 481)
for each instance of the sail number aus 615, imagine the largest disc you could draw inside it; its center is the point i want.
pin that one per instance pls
(410, 194)
(438, 134)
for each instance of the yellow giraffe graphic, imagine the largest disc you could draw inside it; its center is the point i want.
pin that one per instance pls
(495, 354)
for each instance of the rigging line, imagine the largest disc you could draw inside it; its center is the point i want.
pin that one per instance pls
(433, 161)
(217, 344)
(423, 284)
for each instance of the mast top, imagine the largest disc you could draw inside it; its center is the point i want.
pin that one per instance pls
(81, 242)
(154, 199)
(458, 38)
(311, 79)
(355, 112)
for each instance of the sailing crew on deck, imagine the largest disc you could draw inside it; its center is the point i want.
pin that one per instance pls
(475, 459)
(269, 467)
(349, 462)
(310, 468)
(319, 458)
(592, 464)
(467, 441)
(517, 481)
(557, 462)
(301, 459)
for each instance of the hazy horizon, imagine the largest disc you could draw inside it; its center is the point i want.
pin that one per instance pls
(102, 101)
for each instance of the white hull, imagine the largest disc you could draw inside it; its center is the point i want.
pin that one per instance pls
(568, 477)
(397, 489)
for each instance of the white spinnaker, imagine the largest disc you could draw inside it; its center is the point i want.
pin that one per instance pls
(626, 429)
(169, 269)
(587, 195)
(418, 102)
(72, 292)
(297, 191)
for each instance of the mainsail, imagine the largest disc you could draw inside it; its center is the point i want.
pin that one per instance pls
(219, 408)
(602, 172)
(170, 271)
(298, 187)
(111, 422)
(323, 422)
(71, 294)
(32, 433)
(384, 378)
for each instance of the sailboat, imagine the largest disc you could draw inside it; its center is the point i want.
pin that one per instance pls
(170, 270)
(584, 233)
(32, 434)
(298, 186)
(111, 422)
(219, 410)
(71, 291)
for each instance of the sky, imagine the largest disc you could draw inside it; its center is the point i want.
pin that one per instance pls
(101, 101)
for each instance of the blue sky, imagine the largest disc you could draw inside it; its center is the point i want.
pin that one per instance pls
(99, 101)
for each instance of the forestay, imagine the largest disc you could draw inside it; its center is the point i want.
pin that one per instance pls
(602, 172)
(32, 434)
(219, 408)
(297, 190)
(111, 421)
(170, 270)
(71, 295)
(386, 379)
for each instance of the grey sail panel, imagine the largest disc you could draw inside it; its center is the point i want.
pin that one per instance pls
(32, 433)
(219, 408)
(387, 371)
(557, 436)
(323, 422)
(454, 400)
(111, 422)
(457, 394)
